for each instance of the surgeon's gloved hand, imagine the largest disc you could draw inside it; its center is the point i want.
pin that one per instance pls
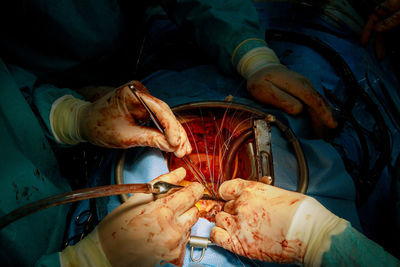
(267, 223)
(386, 17)
(113, 121)
(272, 83)
(141, 232)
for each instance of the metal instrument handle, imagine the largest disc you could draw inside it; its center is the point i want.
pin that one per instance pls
(198, 242)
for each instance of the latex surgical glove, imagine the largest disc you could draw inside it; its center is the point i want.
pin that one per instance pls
(113, 121)
(141, 232)
(272, 83)
(267, 223)
(386, 16)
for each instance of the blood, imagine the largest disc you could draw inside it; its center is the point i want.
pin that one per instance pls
(202, 137)
(210, 144)
(208, 141)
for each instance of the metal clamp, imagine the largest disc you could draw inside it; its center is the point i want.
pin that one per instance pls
(198, 242)
(262, 138)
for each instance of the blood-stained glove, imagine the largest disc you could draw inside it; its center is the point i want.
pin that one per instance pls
(272, 83)
(141, 232)
(112, 121)
(267, 223)
(385, 17)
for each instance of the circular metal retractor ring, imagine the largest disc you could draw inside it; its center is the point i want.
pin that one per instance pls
(303, 175)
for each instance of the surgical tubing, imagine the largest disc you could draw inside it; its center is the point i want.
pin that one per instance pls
(73, 196)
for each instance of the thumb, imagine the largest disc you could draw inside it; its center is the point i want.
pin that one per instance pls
(232, 189)
(173, 177)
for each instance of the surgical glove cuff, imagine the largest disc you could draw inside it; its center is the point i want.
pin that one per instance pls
(87, 252)
(256, 59)
(64, 119)
(314, 225)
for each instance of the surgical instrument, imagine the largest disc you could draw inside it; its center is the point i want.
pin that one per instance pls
(198, 242)
(186, 159)
(159, 189)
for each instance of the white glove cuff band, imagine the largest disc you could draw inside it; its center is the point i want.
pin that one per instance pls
(256, 59)
(87, 252)
(314, 225)
(64, 117)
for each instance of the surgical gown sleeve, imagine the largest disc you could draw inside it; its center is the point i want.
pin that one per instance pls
(29, 172)
(40, 96)
(351, 248)
(226, 30)
(49, 260)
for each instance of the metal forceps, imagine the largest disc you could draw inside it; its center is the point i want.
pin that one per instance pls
(186, 159)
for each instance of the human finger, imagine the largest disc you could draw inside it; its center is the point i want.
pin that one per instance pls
(368, 28)
(188, 147)
(182, 250)
(184, 199)
(380, 20)
(134, 136)
(173, 177)
(266, 92)
(232, 189)
(230, 207)
(225, 221)
(299, 86)
(222, 238)
(166, 117)
(180, 151)
(319, 129)
(388, 6)
(380, 11)
(184, 148)
(189, 218)
(388, 23)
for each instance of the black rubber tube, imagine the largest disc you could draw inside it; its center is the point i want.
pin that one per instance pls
(73, 196)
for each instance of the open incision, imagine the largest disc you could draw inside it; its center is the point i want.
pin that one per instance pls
(212, 132)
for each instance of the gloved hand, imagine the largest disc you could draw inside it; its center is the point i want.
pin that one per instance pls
(386, 16)
(139, 232)
(267, 223)
(272, 83)
(112, 121)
